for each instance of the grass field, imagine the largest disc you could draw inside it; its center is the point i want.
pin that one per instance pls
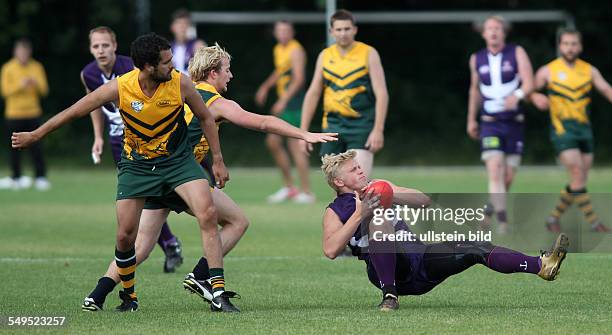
(55, 245)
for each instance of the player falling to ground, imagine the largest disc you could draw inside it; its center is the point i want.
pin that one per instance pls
(501, 76)
(106, 66)
(210, 68)
(288, 76)
(569, 81)
(156, 157)
(185, 41)
(409, 268)
(355, 98)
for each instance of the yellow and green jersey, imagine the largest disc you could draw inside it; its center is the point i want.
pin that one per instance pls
(569, 93)
(348, 99)
(155, 128)
(197, 139)
(283, 68)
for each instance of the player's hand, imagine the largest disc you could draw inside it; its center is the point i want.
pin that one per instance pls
(376, 141)
(278, 107)
(305, 147)
(367, 201)
(220, 172)
(472, 129)
(261, 96)
(96, 150)
(540, 101)
(320, 137)
(511, 102)
(23, 140)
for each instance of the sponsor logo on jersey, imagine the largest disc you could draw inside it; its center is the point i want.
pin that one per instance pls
(163, 103)
(137, 106)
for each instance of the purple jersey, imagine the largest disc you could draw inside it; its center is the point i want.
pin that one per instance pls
(499, 77)
(182, 54)
(410, 274)
(94, 78)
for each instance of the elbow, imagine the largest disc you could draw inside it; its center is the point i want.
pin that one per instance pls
(330, 253)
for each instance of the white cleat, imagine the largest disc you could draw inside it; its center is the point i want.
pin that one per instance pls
(304, 198)
(42, 184)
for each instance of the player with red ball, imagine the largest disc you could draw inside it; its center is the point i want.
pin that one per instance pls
(408, 267)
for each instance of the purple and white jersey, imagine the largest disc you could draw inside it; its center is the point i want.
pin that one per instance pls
(94, 78)
(499, 77)
(182, 54)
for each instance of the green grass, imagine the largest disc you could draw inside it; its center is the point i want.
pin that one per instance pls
(55, 245)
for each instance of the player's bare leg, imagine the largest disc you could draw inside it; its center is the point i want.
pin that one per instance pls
(495, 162)
(281, 158)
(302, 165)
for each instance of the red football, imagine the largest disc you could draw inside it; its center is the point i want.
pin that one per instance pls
(385, 191)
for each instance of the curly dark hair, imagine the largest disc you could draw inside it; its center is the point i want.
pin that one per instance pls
(146, 48)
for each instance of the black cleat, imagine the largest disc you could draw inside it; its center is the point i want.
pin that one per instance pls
(222, 302)
(127, 303)
(199, 287)
(89, 305)
(174, 256)
(389, 303)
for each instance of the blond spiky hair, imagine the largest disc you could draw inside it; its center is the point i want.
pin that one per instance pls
(331, 165)
(205, 60)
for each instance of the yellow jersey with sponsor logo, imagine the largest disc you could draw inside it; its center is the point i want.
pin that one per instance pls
(569, 92)
(347, 94)
(155, 128)
(196, 138)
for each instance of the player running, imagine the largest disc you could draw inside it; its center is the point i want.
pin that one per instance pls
(501, 76)
(569, 81)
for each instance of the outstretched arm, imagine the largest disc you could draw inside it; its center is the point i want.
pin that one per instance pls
(207, 122)
(376, 139)
(231, 111)
(105, 93)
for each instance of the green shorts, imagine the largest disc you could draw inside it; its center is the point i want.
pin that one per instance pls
(292, 116)
(576, 136)
(345, 142)
(137, 180)
(172, 200)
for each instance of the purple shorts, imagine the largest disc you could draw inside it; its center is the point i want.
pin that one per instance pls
(504, 136)
(116, 143)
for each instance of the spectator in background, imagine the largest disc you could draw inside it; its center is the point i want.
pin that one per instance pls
(185, 41)
(23, 82)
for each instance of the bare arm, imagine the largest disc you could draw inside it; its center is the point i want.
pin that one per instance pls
(105, 93)
(541, 79)
(207, 122)
(97, 122)
(231, 111)
(262, 91)
(375, 140)
(474, 100)
(601, 84)
(525, 70)
(335, 234)
(313, 94)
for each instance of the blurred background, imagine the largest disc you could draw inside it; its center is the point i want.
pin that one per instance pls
(425, 65)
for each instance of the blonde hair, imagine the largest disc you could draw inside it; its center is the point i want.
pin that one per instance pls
(500, 19)
(331, 165)
(205, 60)
(103, 30)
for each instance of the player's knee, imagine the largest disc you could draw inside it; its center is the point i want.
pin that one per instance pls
(242, 223)
(126, 239)
(273, 143)
(207, 217)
